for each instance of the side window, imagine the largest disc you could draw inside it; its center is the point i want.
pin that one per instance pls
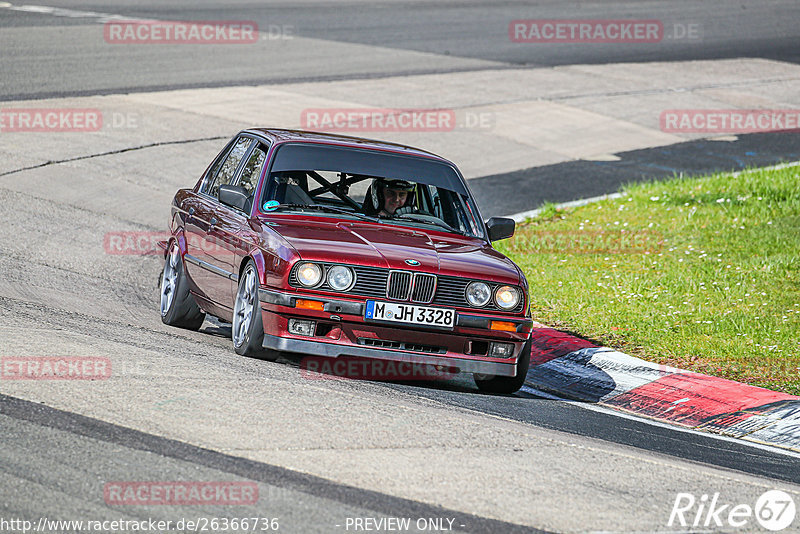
(212, 172)
(229, 166)
(252, 169)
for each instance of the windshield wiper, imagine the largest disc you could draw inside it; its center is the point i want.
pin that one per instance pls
(436, 222)
(331, 209)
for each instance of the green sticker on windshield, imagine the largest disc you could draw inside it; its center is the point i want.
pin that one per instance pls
(271, 205)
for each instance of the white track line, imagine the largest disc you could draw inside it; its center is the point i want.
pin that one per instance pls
(68, 13)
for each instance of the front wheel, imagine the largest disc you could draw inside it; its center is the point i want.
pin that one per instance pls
(507, 384)
(248, 324)
(178, 307)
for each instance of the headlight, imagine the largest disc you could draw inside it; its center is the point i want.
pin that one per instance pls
(340, 277)
(478, 294)
(506, 297)
(309, 274)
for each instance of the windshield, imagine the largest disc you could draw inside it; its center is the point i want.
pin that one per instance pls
(361, 184)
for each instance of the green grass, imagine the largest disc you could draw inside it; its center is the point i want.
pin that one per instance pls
(698, 273)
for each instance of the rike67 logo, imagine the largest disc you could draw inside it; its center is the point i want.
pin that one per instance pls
(774, 511)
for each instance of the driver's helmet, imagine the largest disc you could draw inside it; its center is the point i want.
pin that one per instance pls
(376, 192)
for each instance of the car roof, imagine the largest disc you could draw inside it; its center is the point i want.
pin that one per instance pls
(280, 135)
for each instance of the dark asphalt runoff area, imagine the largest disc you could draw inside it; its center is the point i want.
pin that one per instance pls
(523, 190)
(92, 453)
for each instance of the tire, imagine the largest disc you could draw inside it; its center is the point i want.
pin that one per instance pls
(247, 329)
(507, 384)
(178, 307)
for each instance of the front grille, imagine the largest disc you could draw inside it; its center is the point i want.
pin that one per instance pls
(400, 345)
(375, 283)
(451, 291)
(370, 282)
(399, 285)
(424, 288)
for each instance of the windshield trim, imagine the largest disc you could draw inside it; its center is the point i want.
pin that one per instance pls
(456, 182)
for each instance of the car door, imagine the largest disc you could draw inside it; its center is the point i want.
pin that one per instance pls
(233, 229)
(209, 258)
(195, 227)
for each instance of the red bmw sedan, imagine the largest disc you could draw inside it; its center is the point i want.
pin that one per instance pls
(337, 246)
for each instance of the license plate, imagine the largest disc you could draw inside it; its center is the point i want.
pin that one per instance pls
(409, 314)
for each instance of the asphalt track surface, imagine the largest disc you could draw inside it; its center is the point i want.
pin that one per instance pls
(59, 444)
(472, 31)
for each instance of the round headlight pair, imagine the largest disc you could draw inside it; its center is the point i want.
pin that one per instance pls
(340, 278)
(479, 293)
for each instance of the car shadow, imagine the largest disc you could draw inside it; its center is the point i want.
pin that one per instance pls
(215, 327)
(561, 371)
(389, 372)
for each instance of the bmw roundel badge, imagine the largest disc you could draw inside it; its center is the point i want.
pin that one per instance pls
(413, 263)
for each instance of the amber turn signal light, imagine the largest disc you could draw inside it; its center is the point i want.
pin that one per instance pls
(503, 325)
(309, 304)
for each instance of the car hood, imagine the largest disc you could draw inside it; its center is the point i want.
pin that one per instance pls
(390, 246)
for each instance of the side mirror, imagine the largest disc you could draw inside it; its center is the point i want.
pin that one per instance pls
(499, 228)
(234, 196)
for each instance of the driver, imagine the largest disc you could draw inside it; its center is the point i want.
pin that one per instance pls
(394, 197)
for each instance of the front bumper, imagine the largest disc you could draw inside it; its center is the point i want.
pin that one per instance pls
(333, 350)
(348, 334)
